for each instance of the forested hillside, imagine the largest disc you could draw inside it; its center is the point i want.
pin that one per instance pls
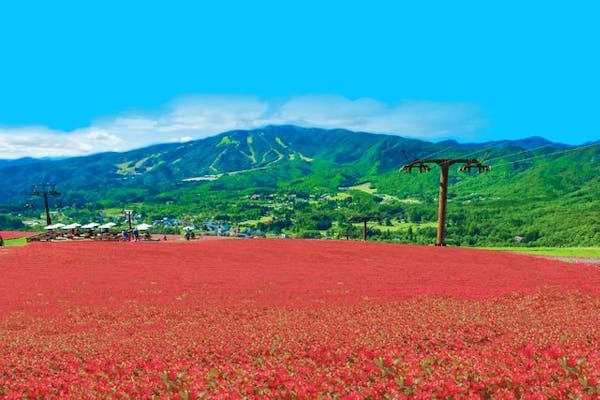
(311, 182)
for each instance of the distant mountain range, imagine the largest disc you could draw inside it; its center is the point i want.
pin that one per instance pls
(527, 172)
(526, 143)
(236, 152)
(24, 161)
(274, 150)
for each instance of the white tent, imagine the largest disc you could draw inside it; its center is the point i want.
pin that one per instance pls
(143, 227)
(91, 225)
(71, 226)
(55, 226)
(107, 225)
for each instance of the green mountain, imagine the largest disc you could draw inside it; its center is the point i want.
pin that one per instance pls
(310, 182)
(270, 155)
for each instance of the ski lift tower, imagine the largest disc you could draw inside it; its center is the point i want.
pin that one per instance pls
(44, 190)
(128, 214)
(444, 163)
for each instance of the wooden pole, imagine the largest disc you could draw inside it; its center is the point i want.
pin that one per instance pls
(45, 190)
(444, 164)
(364, 219)
(47, 207)
(444, 167)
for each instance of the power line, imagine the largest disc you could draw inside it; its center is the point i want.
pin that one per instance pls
(520, 152)
(555, 153)
(533, 157)
(464, 156)
(410, 159)
(480, 151)
(528, 151)
(438, 152)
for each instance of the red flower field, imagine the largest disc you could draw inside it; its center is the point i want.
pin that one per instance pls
(16, 234)
(294, 319)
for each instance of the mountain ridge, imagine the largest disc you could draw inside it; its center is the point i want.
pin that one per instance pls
(343, 172)
(526, 143)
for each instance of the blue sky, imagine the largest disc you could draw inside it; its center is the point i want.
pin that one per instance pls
(80, 77)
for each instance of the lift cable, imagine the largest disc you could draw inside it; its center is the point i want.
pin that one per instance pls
(555, 153)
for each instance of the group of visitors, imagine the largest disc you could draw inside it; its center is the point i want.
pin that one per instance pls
(134, 235)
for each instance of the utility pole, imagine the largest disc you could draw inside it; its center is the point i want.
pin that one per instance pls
(444, 163)
(364, 219)
(44, 190)
(128, 214)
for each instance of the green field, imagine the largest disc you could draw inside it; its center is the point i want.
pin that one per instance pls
(15, 242)
(554, 251)
(396, 226)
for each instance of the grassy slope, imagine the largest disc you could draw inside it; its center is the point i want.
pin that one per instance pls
(553, 251)
(15, 242)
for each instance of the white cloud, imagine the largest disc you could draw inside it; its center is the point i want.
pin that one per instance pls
(410, 118)
(201, 116)
(43, 142)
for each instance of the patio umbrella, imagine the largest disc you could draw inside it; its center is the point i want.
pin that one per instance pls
(91, 225)
(55, 226)
(143, 227)
(71, 226)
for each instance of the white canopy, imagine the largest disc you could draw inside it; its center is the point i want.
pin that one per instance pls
(71, 226)
(143, 227)
(55, 226)
(107, 225)
(90, 225)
